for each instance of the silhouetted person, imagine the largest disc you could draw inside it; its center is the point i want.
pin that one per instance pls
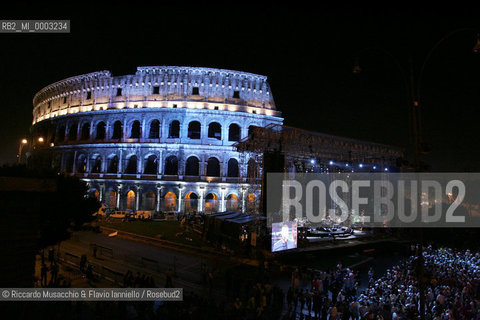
(83, 262)
(54, 272)
(50, 255)
(89, 271)
(43, 274)
(284, 243)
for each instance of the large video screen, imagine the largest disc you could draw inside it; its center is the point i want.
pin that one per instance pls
(284, 236)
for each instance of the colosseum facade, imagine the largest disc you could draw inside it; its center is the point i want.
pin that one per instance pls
(160, 139)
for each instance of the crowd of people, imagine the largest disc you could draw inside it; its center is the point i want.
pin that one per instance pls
(140, 280)
(451, 282)
(49, 272)
(450, 279)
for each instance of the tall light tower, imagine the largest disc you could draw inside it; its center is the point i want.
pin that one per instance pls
(412, 87)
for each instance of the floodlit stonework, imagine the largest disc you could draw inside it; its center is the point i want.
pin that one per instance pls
(160, 139)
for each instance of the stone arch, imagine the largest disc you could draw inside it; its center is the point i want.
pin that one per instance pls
(85, 135)
(211, 203)
(250, 203)
(171, 165)
(135, 130)
(112, 164)
(194, 130)
(191, 202)
(234, 132)
(111, 199)
(213, 167)
(72, 131)
(151, 164)
(154, 132)
(132, 163)
(232, 170)
(81, 163)
(174, 129)
(94, 193)
(131, 197)
(100, 131)
(215, 130)
(170, 201)
(117, 130)
(192, 166)
(96, 164)
(232, 202)
(251, 130)
(149, 201)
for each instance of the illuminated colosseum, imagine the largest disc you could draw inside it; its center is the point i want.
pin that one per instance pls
(160, 139)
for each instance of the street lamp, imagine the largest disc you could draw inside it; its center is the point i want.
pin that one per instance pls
(23, 142)
(40, 139)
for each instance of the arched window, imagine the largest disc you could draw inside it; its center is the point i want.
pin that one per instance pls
(251, 130)
(213, 167)
(117, 130)
(232, 168)
(170, 201)
(72, 132)
(149, 201)
(61, 134)
(97, 165)
(211, 203)
(233, 132)
(191, 202)
(252, 170)
(191, 166)
(136, 131)
(100, 131)
(251, 203)
(171, 166)
(131, 200)
(81, 164)
(174, 129)
(111, 199)
(85, 131)
(154, 130)
(94, 193)
(113, 165)
(194, 130)
(151, 165)
(132, 165)
(232, 202)
(215, 130)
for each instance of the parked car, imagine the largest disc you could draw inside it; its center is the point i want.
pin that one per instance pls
(118, 214)
(142, 215)
(171, 215)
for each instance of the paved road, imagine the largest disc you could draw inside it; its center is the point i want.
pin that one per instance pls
(119, 255)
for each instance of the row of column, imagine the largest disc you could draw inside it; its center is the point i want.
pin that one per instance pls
(141, 162)
(145, 130)
(180, 194)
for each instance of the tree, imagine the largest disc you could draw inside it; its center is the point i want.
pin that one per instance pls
(62, 211)
(68, 210)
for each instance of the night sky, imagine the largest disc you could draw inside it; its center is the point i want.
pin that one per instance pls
(306, 53)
